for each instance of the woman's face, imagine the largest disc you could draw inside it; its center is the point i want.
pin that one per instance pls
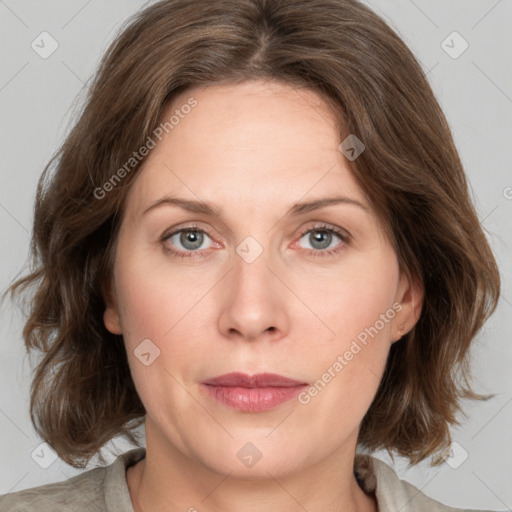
(260, 285)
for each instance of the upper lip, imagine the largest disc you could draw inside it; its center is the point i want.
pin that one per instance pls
(259, 380)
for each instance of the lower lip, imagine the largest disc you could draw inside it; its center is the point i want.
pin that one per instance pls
(252, 399)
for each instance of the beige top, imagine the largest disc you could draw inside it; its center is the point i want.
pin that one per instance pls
(104, 489)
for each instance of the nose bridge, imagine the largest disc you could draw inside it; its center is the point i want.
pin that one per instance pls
(254, 303)
(252, 263)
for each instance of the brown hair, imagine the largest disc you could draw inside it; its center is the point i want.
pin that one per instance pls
(82, 393)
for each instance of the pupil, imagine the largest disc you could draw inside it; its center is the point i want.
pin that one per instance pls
(318, 238)
(191, 239)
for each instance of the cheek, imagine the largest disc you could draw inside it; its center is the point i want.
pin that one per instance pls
(352, 299)
(153, 296)
(167, 307)
(152, 315)
(349, 359)
(346, 372)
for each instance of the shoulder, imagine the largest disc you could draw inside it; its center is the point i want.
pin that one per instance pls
(95, 489)
(394, 494)
(81, 491)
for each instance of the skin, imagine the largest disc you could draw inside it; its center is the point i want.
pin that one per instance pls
(253, 149)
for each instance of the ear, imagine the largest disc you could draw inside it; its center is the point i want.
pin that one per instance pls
(111, 316)
(410, 294)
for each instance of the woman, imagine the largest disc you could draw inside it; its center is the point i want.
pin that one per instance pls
(257, 240)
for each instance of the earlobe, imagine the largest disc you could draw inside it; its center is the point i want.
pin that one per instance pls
(410, 295)
(111, 317)
(111, 320)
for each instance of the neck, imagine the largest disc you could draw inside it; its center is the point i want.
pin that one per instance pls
(168, 480)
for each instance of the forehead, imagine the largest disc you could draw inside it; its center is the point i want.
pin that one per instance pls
(251, 145)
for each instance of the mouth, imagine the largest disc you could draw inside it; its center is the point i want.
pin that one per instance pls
(252, 393)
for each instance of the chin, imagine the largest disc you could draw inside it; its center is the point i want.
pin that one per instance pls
(254, 457)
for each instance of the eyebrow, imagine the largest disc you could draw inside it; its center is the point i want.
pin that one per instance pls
(214, 211)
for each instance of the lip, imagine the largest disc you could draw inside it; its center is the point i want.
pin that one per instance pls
(259, 380)
(252, 393)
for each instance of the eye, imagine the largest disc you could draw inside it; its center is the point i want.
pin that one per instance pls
(188, 240)
(192, 241)
(321, 240)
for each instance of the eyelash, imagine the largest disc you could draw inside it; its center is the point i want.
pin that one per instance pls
(345, 238)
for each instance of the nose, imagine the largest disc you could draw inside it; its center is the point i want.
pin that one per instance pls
(254, 301)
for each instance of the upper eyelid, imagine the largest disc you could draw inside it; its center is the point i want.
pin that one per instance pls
(328, 227)
(319, 225)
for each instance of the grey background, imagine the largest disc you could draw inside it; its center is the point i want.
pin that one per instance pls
(475, 90)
